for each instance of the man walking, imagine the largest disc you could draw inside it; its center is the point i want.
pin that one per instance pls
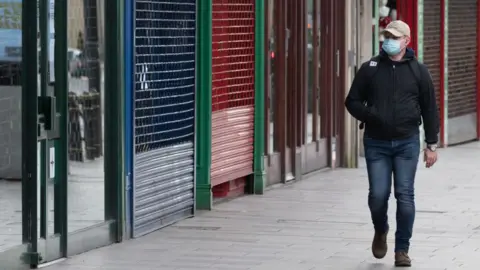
(390, 96)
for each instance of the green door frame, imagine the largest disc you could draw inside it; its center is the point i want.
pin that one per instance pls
(44, 247)
(112, 230)
(203, 123)
(26, 254)
(52, 245)
(259, 177)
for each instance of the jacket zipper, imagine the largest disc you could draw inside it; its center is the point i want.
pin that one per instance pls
(393, 100)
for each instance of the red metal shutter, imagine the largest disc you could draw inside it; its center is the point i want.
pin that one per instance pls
(233, 62)
(462, 57)
(432, 41)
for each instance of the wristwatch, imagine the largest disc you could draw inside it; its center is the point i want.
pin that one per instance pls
(432, 147)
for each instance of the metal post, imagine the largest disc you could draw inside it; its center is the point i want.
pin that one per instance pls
(444, 72)
(114, 117)
(376, 37)
(259, 128)
(350, 130)
(203, 122)
(129, 27)
(44, 91)
(61, 145)
(419, 44)
(29, 121)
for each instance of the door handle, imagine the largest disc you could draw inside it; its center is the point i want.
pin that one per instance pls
(319, 38)
(287, 38)
(338, 63)
(48, 119)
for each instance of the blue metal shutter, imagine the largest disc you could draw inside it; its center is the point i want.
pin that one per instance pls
(164, 113)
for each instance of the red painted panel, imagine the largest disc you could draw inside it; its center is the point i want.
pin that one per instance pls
(233, 71)
(232, 144)
(233, 53)
(407, 11)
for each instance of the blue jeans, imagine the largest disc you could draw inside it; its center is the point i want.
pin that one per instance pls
(400, 158)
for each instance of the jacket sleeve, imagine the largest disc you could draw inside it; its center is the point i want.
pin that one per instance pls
(428, 106)
(357, 97)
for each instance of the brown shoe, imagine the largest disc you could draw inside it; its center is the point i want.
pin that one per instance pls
(379, 245)
(402, 259)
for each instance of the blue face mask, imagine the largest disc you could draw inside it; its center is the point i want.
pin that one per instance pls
(391, 46)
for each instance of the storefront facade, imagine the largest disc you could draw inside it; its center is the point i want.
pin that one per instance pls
(307, 73)
(213, 99)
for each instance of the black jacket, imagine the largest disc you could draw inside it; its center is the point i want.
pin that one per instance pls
(392, 101)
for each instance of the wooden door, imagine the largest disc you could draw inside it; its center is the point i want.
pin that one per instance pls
(283, 122)
(275, 91)
(292, 77)
(339, 81)
(332, 74)
(316, 154)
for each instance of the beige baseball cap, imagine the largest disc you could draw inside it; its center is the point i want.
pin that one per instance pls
(397, 28)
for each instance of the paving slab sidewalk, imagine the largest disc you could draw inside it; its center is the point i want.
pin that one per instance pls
(318, 223)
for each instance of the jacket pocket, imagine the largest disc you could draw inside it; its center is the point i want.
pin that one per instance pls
(407, 116)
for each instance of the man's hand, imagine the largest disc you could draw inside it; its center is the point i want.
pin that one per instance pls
(429, 157)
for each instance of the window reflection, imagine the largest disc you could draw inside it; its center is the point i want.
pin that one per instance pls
(86, 122)
(271, 41)
(319, 99)
(10, 126)
(310, 71)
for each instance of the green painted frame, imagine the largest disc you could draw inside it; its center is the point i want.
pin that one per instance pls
(420, 30)
(376, 38)
(203, 122)
(445, 71)
(33, 250)
(420, 53)
(259, 178)
(113, 228)
(115, 109)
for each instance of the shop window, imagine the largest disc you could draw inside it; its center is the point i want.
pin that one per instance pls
(387, 13)
(271, 41)
(310, 71)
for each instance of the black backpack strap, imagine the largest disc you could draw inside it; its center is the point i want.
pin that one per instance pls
(371, 71)
(414, 66)
(373, 66)
(416, 70)
(376, 58)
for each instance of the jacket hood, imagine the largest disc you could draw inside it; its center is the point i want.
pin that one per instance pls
(409, 55)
